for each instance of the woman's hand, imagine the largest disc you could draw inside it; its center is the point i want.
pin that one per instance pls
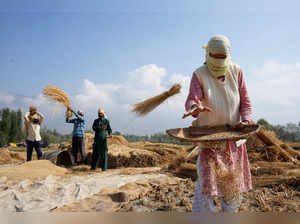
(196, 110)
(241, 124)
(69, 108)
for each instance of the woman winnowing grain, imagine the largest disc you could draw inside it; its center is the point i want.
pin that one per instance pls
(218, 95)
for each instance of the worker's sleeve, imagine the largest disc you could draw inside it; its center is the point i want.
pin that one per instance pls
(78, 117)
(195, 93)
(245, 103)
(68, 120)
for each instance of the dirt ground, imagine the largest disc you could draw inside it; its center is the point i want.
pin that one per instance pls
(178, 197)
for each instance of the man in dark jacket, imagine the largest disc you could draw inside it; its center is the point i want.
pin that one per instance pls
(101, 127)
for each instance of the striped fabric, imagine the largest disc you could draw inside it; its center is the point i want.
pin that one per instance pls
(79, 125)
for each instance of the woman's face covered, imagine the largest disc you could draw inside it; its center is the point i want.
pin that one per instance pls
(218, 55)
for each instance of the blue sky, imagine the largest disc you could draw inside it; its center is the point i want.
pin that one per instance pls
(84, 45)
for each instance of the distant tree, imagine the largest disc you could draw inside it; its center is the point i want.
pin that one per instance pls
(117, 133)
(3, 140)
(5, 124)
(265, 124)
(13, 132)
(20, 131)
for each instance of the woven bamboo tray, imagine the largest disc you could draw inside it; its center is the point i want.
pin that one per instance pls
(212, 133)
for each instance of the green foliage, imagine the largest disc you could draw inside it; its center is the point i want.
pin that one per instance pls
(155, 138)
(5, 123)
(13, 127)
(52, 136)
(265, 124)
(10, 126)
(20, 131)
(3, 140)
(116, 133)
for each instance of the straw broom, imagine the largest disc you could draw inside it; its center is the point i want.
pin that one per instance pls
(146, 106)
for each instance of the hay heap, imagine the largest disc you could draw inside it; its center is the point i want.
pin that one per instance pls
(148, 105)
(272, 161)
(32, 170)
(124, 156)
(117, 140)
(7, 156)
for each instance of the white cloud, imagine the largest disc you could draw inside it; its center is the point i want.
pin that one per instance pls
(147, 76)
(142, 83)
(96, 95)
(6, 99)
(274, 90)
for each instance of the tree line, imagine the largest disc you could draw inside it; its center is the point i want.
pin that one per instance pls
(155, 138)
(11, 128)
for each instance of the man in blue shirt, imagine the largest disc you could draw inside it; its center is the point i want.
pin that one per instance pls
(77, 135)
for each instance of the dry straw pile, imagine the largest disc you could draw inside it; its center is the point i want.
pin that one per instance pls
(7, 156)
(148, 105)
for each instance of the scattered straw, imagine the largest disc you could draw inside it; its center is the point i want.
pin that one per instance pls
(57, 95)
(227, 181)
(146, 106)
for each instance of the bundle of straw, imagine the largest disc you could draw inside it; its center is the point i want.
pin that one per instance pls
(57, 95)
(146, 106)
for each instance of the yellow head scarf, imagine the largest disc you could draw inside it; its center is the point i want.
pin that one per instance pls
(218, 45)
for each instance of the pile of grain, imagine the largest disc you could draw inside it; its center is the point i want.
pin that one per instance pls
(7, 156)
(117, 140)
(32, 170)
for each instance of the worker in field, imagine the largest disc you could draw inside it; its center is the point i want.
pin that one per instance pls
(33, 120)
(102, 129)
(217, 96)
(77, 135)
